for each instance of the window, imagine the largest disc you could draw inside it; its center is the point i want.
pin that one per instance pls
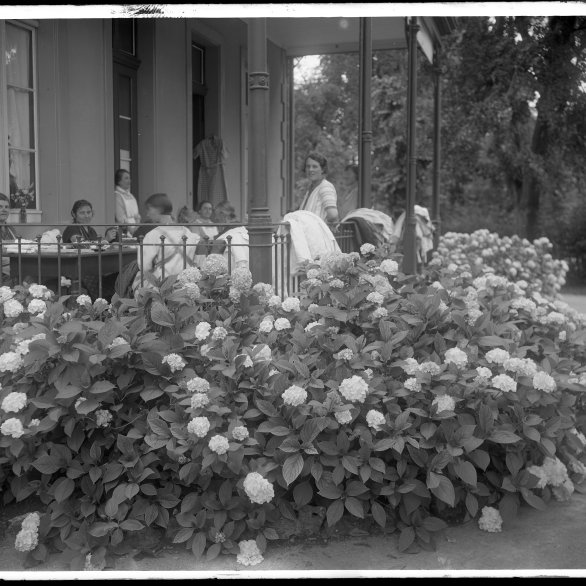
(19, 105)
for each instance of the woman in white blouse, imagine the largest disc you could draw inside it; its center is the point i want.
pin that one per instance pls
(126, 204)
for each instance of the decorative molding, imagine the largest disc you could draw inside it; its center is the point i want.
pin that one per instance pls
(258, 80)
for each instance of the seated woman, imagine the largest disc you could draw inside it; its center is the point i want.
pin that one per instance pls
(159, 258)
(82, 213)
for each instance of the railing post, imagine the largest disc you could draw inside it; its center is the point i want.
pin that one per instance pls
(259, 219)
(365, 165)
(435, 205)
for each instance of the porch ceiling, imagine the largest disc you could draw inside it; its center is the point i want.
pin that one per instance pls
(319, 35)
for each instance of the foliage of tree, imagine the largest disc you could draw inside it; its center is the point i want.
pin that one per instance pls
(513, 124)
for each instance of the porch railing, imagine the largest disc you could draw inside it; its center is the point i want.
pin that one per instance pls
(100, 269)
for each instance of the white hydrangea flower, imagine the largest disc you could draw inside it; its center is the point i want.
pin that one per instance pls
(31, 522)
(241, 278)
(174, 361)
(344, 354)
(197, 385)
(504, 383)
(544, 382)
(336, 284)
(199, 426)
(312, 307)
(430, 367)
(65, 282)
(215, 265)
(13, 308)
(541, 475)
(84, 300)
(240, 433)
(472, 316)
(564, 491)
(369, 374)
(291, 304)
(375, 419)
(410, 366)
(412, 384)
(497, 356)
(39, 291)
(456, 356)
(205, 348)
(444, 403)
(266, 326)
(10, 361)
(258, 489)
(484, 374)
(274, 302)
(199, 400)
(219, 333)
(6, 293)
(36, 306)
(249, 553)
(294, 396)
(343, 417)
(312, 274)
(202, 330)
(118, 341)
(189, 275)
(490, 520)
(219, 444)
(562, 336)
(388, 266)
(101, 302)
(12, 427)
(193, 290)
(14, 402)
(354, 388)
(375, 355)
(282, 323)
(26, 540)
(103, 417)
(248, 363)
(367, 248)
(555, 471)
(522, 366)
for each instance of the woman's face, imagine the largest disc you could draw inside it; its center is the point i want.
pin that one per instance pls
(83, 215)
(313, 170)
(206, 210)
(4, 211)
(125, 181)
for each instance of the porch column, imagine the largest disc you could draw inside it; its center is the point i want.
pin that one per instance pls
(259, 218)
(435, 195)
(409, 238)
(365, 153)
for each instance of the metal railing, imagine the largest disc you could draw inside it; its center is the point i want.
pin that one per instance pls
(100, 268)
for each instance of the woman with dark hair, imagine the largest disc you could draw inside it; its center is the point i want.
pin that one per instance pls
(321, 197)
(126, 204)
(161, 258)
(82, 213)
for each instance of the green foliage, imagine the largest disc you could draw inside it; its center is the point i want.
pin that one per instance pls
(208, 414)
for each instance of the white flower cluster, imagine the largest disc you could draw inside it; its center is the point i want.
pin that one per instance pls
(375, 419)
(291, 304)
(412, 384)
(380, 313)
(388, 266)
(294, 396)
(28, 536)
(554, 473)
(456, 356)
(199, 426)
(410, 366)
(199, 400)
(14, 402)
(367, 248)
(13, 308)
(12, 427)
(248, 363)
(444, 403)
(522, 303)
(6, 293)
(219, 333)
(22, 348)
(344, 354)
(202, 331)
(84, 300)
(354, 388)
(118, 341)
(189, 275)
(40, 291)
(282, 323)
(504, 383)
(219, 444)
(240, 433)
(430, 367)
(214, 265)
(103, 417)
(197, 385)
(10, 361)
(522, 366)
(490, 520)
(193, 291)
(274, 302)
(241, 279)
(343, 417)
(258, 489)
(267, 324)
(249, 553)
(174, 361)
(336, 284)
(483, 376)
(264, 291)
(497, 356)
(544, 382)
(36, 306)
(375, 297)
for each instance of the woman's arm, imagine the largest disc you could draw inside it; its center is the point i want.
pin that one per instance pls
(120, 216)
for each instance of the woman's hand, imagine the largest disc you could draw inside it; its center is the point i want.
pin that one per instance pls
(111, 234)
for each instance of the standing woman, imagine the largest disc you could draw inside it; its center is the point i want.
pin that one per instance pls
(321, 197)
(126, 204)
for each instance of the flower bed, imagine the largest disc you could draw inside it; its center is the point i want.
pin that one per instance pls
(210, 410)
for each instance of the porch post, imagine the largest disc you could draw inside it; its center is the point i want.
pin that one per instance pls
(365, 153)
(409, 238)
(259, 218)
(435, 203)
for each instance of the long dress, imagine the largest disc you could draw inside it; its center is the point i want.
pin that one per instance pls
(126, 207)
(211, 184)
(322, 196)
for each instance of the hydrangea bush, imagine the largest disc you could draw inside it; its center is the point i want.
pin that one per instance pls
(512, 257)
(209, 409)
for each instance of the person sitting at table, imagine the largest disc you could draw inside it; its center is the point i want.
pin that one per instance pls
(82, 213)
(6, 233)
(158, 259)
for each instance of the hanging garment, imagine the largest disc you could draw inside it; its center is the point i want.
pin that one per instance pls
(382, 224)
(211, 184)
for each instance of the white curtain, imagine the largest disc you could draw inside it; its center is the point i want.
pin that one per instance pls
(20, 113)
